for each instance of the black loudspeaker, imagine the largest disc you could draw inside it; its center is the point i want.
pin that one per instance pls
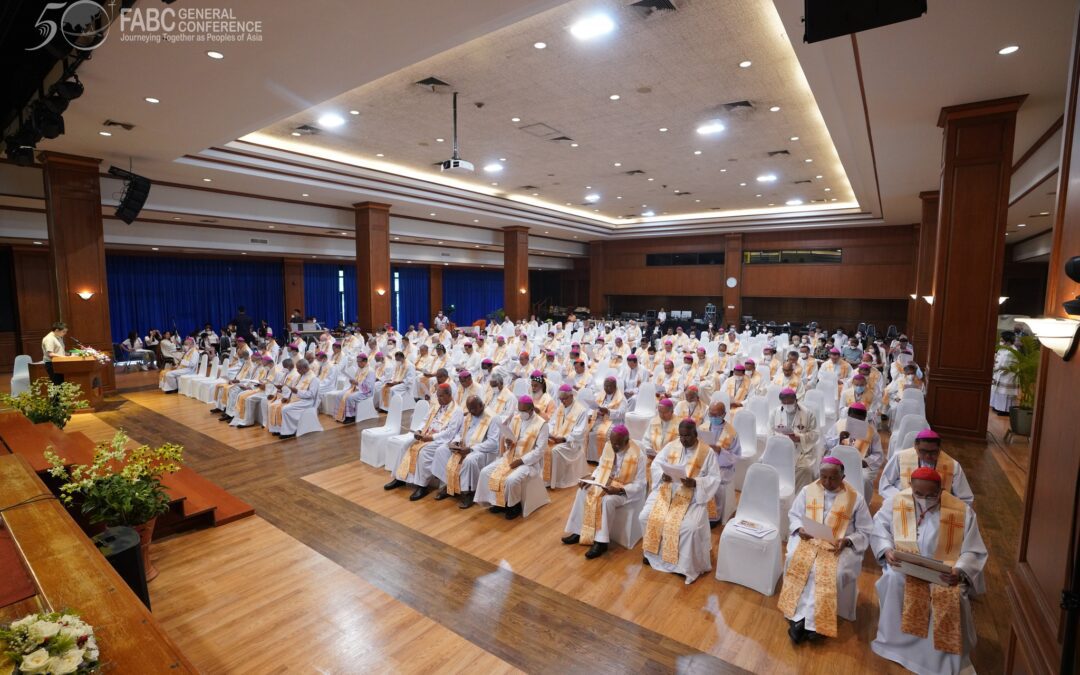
(136, 190)
(826, 19)
(120, 546)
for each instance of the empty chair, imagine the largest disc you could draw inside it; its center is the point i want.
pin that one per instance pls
(20, 376)
(521, 387)
(721, 396)
(772, 397)
(373, 441)
(913, 394)
(909, 439)
(853, 472)
(891, 332)
(760, 407)
(637, 420)
(202, 388)
(780, 454)
(908, 407)
(910, 423)
(395, 446)
(815, 397)
(743, 558)
(746, 429)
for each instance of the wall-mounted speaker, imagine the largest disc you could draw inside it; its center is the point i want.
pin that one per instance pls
(136, 190)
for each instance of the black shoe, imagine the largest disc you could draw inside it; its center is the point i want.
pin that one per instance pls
(442, 495)
(419, 493)
(349, 420)
(215, 411)
(275, 433)
(796, 632)
(393, 484)
(513, 512)
(174, 391)
(812, 636)
(466, 501)
(598, 549)
(571, 539)
(242, 426)
(645, 561)
(497, 509)
(284, 436)
(713, 524)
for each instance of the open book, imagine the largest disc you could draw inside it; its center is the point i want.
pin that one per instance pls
(921, 567)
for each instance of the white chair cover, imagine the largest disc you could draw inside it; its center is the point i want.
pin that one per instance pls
(521, 387)
(780, 454)
(186, 380)
(20, 376)
(760, 407)
(742, 558)
(625, 525)
(910, 423)
(853, 469)
(908, 407)
(373, 441)
(746, 429)
(913, 394)
(309, 422)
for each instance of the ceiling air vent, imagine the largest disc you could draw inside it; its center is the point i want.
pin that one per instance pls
(683, 194)
(800, 182)
(736, 105)
(208, 220)
(650, 7)
(634, 172)
(528, 187)
(126, 126)
(541, 130)
(259, 241)
(432, 83)
(306, 130)
(445, 255)
(774, 153)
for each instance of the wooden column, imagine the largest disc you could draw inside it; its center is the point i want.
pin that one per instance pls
(597, 291)
(77, 251)
(516, 272)
(1050, 531)
(975, 172)
(372, 264)
(293, 273)
(732, 302)
(434, 291)
(919, 331)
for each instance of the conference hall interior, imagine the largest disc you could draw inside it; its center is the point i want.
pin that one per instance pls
(541, 336)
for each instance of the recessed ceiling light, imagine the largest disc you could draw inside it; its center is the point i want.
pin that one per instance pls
(243, 253)
(1011, 49)
(271, 226)
(439, 140)
(573, 145)
(433, 215)
(354, 112)
(808, 160)
(476, 245)
(104, 133)
(723, 170)
(663, 129)
(207, 180)
(535, 194)
(515, 119)
(772, 204)
(476, 220)
(794, 138)
(592, 197)
(794, 202)
(546, 232)
(618, 163)
(215, 55)
(568, 203)
(331, 120)
(1021, 224)
(619, 197)
(828, 189)
(588, 187)
(697, 152)
(304, 194)
(396, 238)
(446, 264)
(176, 218)
(819, 177)
(494, 167)
(440, 242)
(713, 127)
(648, 213)
(540, 45)
(766, 178)
(495, 184)
(502, 159)
(1044, 213)
(1006, 234)
(37, 243)
(152, 248)
(742, 184)
(744, 64)
(651, 179)
(296, 133)
(575, 236)
(775, 108)
(151, 99)
(592, 27)
(408, 261)
(614, 97)
(697, 201)
(757, 195)
(379, 154)
(833, 199)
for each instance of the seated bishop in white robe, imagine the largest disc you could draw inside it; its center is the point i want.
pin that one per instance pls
(521, 457)
(457, 464)
(243, 407)
(862, 436)
(564, 456)
(361, 387)
(896, 475)
(303, 398)
(169, 380)
(675, 517)
(623, 474)
(410, 455)
(610, 411)
(934, 632)
(820, 577)
(724, 441)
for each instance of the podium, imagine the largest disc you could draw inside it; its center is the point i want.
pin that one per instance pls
(85, 371)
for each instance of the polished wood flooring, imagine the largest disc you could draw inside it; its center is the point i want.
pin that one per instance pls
(336, 575)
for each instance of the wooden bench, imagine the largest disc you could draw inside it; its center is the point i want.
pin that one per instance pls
(70, 573)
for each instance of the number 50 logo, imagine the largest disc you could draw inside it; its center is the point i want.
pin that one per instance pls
(83, 23)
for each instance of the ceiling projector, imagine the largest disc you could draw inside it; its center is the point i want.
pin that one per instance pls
(456, 164)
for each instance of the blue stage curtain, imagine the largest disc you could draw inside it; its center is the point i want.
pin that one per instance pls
(153, 292)
(322, 298)
(350, 292)
(473, 293)
(411, 301)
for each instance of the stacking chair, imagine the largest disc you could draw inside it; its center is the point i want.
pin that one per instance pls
(780, 454)
(746, 429)
(20, 376)
(745, 559)
(637, 420)
(910, 423)
(373, 441)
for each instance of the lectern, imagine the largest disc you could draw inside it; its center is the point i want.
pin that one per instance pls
(85, 371)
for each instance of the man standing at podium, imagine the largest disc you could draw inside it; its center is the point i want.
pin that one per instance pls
(53, 345)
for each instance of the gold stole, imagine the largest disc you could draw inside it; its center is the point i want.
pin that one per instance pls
(399, 374)
(500, 355)
(738, 395)
(920, 597)
(564, 422)
(683, 410)
(594, 494)
(241, 400)
(727, 434)
(860, 444)
(817, 555)
(867, 398)
(909, 461)
(222, 389)
(408, 461)
(545, 406)
(793, 382)
(422, 363)
(361, 375)
(463, 394)
(275, 405)
(497, 479)
(453, 465)
(668, 513)
(191, 355)
(601, 428)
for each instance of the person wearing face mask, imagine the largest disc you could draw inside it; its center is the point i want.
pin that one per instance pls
(621, 478)
(801, 426)
(187, 364)
(808, 367)
(662, 428)
(610, 410)
(675, 518)
(564, 455)
(770, 364)
(896, 475)
(737, 386)
(927, 627)
(860, 392)
(820, 576)
(724, 441)
(521, 455)
(874, 380)
(787, 377)
(410, 455)
(632, 377)
(457, 464)
(691, 405)
(894, 393)
(759, 384)
(904, 357)
(836, 366)
(669, 380)
(853, 430)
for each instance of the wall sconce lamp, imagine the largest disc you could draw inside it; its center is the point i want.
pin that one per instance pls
(380, 291)
(85, 295)
(914, 296)
(523, 291)
(1056, 334)
(929, 299)
(1002, 299)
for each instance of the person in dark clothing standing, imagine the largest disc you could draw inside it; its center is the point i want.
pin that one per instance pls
(243, 324)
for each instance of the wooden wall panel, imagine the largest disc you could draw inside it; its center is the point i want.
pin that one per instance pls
(35, 288)
(827, 281)
(731, 305)
(293, 272)
(372, 264)
(8, 351)
(598, 277)
(435, 294)
(516, 272)
(1049, 535)
(830, 313)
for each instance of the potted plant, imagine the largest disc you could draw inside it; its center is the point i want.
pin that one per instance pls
(121, 487)
(47, 402)
(1024, 368)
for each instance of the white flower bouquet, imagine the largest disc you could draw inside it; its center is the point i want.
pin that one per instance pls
(53, 643)
(102, 357)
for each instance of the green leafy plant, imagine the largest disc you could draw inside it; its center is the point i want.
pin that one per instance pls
(1024, 366)
(122, 486)
(47, 402)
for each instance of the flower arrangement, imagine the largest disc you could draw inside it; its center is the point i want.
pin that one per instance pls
(47, 402)
(53, 643)
(90, 351)
(122, 486)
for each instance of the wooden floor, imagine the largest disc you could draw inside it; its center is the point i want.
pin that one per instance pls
(336, 575)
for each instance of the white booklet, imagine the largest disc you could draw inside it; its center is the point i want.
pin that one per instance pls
(921, 567)
(755, 529)
(709, 436)
(856, 428)
(818, 530)
(676, 471)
